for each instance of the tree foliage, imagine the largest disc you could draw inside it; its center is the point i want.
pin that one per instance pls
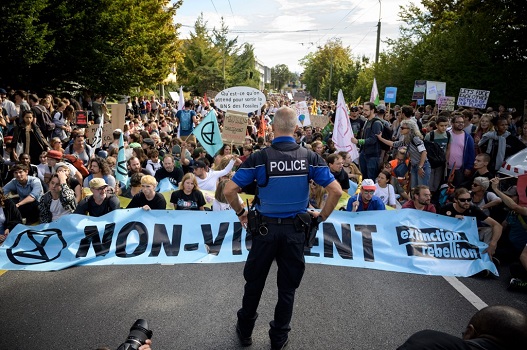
(108, 46)
(281, 75)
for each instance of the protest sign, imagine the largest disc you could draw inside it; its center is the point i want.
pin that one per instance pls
(319, 121)
(434, 89)
(419, 90)
(81, 119)
(234, 127)
(107, 133)
(241, 99)
(446, 103)
(118, 113)
(302, 113)
(390, 94)
(174, 96)
(473, 98)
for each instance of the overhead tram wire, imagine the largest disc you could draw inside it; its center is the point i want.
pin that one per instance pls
(232, 12)
(215, 9)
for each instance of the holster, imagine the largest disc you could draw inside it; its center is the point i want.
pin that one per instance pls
(303, 223)
(254, 222)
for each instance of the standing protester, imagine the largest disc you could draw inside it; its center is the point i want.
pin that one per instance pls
(278, 223)
(462, 152)
(370, 146)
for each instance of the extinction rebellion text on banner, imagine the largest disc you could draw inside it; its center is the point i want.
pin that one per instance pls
(395, 240)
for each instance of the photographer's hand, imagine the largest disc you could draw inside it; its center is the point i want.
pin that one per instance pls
(146, 346)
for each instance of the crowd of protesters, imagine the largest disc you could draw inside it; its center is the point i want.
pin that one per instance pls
(393, 168)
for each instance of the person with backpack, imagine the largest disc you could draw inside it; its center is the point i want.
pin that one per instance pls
(42, 116)
(413, 140)
(186, 119)
(441, 138)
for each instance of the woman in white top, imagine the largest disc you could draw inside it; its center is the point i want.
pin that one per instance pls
(384, 189)
(220, 202)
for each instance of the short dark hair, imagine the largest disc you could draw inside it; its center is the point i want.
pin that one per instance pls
(332, 158)
(408, 111)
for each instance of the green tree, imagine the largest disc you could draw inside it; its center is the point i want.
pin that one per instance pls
(244, 68)
(227, 48)
(280, 75)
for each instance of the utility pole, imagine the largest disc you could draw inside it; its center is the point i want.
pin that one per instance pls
(378, 35)
(330, 78)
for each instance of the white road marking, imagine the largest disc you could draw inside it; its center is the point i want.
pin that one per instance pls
(465, 292)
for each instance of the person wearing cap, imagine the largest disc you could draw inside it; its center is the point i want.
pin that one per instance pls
(58, 201)
(148, 198)
(54, 157)
(208, 179)
(516, 223)
(29, 190)
(483, 198)
(462, 206)
(366, 200)
(277, 170)
(100, 202)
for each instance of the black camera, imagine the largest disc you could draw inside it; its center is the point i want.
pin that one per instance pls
(139, 333)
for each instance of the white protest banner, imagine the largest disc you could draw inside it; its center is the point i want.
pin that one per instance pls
(241, 99)
(107, 133)
(302, 113)
(319, 121)
(234, 127)
(435, 88)
(473, 98)
(446, 103)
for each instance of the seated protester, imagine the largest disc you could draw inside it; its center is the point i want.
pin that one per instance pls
(400, 184)
(153, 164)
(317, 195)
(335, 163)
(25, 159)
(206, 178)
(29, 190)
(365, 200)
(70, 181)
(134, 188)
(43, 165)
(491, 328)
(100, 202)
(500, 144)
(9, 216)
(134, 166)
(421, 197)
(169, 170)
(53, 157)
(516, 223)
(462, 206)
(148, 198)
(58, 201)
(481, 169)
(482, 198)
(188, 197)
(350, 168)
(220, 202)
(99, 169)
(384, 190)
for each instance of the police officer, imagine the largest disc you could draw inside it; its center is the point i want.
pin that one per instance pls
(282, 172)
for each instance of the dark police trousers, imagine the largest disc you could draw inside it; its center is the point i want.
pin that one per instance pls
(285, 244)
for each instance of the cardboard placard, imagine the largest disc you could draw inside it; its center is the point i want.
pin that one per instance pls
(107, 133)
(234, 127)
(118, 112)
(319, 121)
(446, 103)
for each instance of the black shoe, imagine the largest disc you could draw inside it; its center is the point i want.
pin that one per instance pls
(517, 285)
(281, 347)
(245, 341)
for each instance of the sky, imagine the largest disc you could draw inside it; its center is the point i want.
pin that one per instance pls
(285, 31)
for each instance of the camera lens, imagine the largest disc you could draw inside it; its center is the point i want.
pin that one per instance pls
(139, 333)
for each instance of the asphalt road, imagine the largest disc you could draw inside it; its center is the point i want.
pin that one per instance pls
(194, 306)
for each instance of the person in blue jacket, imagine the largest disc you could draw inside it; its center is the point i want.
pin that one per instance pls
(282, 173)
(365, 200)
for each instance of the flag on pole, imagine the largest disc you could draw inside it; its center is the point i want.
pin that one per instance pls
(97, 140)
(205, 100)
(342, 131)
(181, 106)
(356, 103)
(314, 109)
(261, 127)
(208, 134)
(374, 97)
(121, 171)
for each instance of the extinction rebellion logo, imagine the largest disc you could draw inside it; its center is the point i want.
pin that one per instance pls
(436, 243)
(46, 246)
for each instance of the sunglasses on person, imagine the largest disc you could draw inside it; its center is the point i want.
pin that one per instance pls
(464, 200)
(368, 192)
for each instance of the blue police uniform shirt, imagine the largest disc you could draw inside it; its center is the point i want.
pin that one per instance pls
(376, 203)
(289, 176)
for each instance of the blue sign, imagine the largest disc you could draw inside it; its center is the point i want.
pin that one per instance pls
(390, 95)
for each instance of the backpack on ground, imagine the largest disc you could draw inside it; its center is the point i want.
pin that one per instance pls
(435, 154)
(185, 122)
